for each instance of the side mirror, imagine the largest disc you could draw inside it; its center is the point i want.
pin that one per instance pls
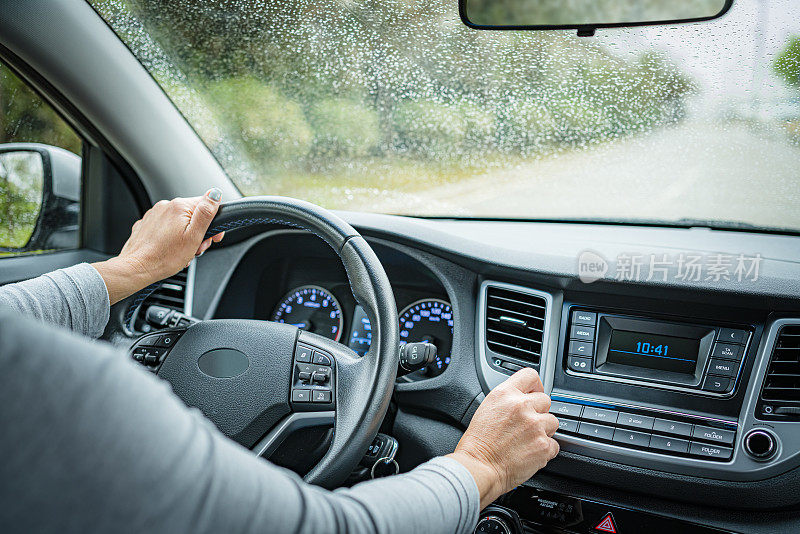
(40, 192)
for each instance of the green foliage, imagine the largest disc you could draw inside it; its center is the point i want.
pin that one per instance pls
(20, 197)
(787, 63)
(343, 128)
(25, 117)
(271, 127)
(437, 130)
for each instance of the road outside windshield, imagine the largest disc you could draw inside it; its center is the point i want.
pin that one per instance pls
(396, 107)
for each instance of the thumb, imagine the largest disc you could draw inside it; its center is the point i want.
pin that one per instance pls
(204, 212)
(526, 380)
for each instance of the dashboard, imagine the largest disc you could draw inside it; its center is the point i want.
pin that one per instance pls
(659, 386)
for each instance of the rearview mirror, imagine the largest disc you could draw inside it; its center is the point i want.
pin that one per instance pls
(40, 188)
(585, 15)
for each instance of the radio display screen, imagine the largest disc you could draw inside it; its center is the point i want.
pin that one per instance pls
(653, 351)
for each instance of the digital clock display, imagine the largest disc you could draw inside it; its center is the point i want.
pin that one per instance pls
(665, 353)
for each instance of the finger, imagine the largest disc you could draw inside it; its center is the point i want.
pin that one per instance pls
(526, 380)
(539, 401)
(555, 448)
(551, 424)
(217, 238)
(204, 212)
(203, 246)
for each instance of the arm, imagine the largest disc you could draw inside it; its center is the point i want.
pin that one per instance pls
(109, 446)
(162, 243)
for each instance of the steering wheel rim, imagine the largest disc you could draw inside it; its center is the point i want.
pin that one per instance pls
(363, 385)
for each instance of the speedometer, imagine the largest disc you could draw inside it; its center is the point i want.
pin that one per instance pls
(429, 320)
(313, 309)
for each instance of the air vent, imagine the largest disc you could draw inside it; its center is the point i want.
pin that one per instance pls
(515, 323)
(780, 396)
(171, 294)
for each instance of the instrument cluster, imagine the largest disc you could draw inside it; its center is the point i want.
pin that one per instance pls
(316, 309)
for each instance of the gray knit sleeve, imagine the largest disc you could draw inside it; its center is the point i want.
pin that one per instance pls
(75, 298)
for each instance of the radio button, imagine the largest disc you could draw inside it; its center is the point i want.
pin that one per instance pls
(568, 425)
(582, 333)
(596, 431)
(662, 443)
(723, 367)
(717, 384)
(582, 365)
(565, 408)
(581, 348)
(635, 421)
(717, 435)
(600, 415)
(584, 318)
(710, 451)
(673, 427)
(631, 438)
(727, 351)
(731, 335)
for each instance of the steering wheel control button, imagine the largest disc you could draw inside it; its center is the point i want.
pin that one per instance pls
(581, 333)
(584, 318)
(717, 384)
(167, 340)
(301, 395)
(566, 409)
(731, 335)
(727, 351)
(674, 445)
(304, 376)
(760, 444)
(600, 415)
(321, 359)
(321, 395)
(674, 428)
(631, 438)
(569, 426)
(320, 376)
(303, 354)
(594, 431)
(582, 365)
(704, 450)
(715, 435)
(641, 422)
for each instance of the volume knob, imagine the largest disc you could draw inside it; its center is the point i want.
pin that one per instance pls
(760, 444)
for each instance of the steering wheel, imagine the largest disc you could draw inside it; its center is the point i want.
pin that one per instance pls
(258, 381)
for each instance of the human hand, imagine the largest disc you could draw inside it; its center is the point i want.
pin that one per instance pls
(162, 243)
(510, 437)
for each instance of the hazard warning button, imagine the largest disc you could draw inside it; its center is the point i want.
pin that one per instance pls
(607, 524)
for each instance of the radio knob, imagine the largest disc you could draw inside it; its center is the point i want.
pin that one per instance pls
(760, 444)
(492, 524)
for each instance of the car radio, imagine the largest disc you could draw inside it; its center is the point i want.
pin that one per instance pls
(695, 358)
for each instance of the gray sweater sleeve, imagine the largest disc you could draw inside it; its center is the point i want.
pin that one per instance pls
(94, 443)
(75, 298)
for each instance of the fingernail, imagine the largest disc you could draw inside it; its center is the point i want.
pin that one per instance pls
(201, 253)
(214, 194)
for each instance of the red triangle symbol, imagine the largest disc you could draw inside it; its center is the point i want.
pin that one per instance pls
(607, 524)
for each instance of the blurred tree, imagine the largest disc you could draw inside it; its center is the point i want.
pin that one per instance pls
(787, 62)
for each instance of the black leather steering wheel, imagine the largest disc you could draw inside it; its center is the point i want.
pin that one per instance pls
(258, 380)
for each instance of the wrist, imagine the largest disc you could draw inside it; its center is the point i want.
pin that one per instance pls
(123, 277)
(486, 477)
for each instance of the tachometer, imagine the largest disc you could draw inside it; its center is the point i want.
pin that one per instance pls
(313, 309)
(429, 320)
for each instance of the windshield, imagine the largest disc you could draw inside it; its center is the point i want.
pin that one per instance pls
(394, 106)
